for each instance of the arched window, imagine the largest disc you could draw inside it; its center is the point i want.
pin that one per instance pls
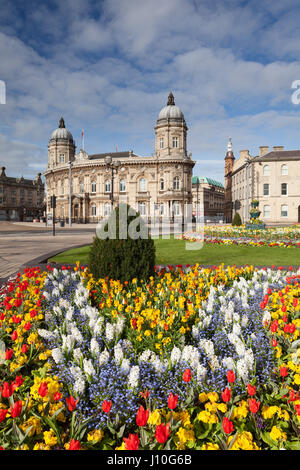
(284, 210)
(267, 211)
(266, 170)
(162, 184)
(176, 183)
(107, 186)
(107, 209)
(94, 209)
(284, 170)
(93, 187)
(142, 185)
(122, 186)
(142, 208)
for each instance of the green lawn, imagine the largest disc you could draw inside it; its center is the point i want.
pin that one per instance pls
(172, 251)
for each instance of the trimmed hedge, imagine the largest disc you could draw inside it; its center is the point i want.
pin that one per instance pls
(123, 249)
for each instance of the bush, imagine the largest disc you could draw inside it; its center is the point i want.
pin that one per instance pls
(237, 219)
(122, 249)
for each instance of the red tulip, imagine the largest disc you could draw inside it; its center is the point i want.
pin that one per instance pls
(226, 395)
(187, 375)
(162, 433)
(106, 406)
(16, 409)
(172, 401)
(251, 389)
(57, 396)
(295, 302)
(254, 405)
(18, 382)
(24, 348)
(71, 403)
(3, 414)
(6, 390)
(14, 335)
(27, 326)
(230, 376)
(292, 328)
(142, 416)
(74, 445)
(274, 326)
(43, 389)
(145, 394)
(283, 371)
(132, 442)
(227, 425)
(8, 354)
(274, 343)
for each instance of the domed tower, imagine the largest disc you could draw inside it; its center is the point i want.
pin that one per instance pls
(170, 131)
(61, 147)
(229, 162)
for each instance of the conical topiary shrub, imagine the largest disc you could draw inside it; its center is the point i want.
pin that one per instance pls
(237, 221)
(122, 249)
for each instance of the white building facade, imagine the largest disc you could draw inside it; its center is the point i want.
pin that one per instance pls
(272, 177)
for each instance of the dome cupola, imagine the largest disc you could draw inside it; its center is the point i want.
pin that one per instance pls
(61, 132)
(171, 111)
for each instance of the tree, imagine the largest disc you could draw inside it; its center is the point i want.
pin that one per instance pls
(237, 219)
(122, 248)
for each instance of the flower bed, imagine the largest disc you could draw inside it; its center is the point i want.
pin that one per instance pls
(275, 234)
(195, 358)
(244, 240)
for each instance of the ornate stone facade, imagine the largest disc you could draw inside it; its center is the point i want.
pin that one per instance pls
(272, 177)
(158, 185)
(21, 199)
(208, 200)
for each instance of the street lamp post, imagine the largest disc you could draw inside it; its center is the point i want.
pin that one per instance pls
(70, 194)
(113, 166)
(197, 201)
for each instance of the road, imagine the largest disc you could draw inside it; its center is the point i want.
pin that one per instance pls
(25, 244)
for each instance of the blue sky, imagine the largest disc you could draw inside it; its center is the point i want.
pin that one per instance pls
(107, 67)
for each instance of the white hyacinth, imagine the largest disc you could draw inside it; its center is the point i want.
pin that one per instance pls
(57, 355)
(133, 379)
(104, 357)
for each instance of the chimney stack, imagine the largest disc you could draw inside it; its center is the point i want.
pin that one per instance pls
(263, 150)
(278, 148)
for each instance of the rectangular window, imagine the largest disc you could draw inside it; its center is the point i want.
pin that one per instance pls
(142, 208)
(266, 189)
(161, 143)
(284, 189)
(175, 142)
(267, 211)
(284, 210)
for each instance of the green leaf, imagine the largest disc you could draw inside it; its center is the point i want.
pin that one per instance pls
(293, 445)
(121, 431)
(268, 440)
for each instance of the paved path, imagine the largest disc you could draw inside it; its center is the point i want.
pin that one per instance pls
(26, 245)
